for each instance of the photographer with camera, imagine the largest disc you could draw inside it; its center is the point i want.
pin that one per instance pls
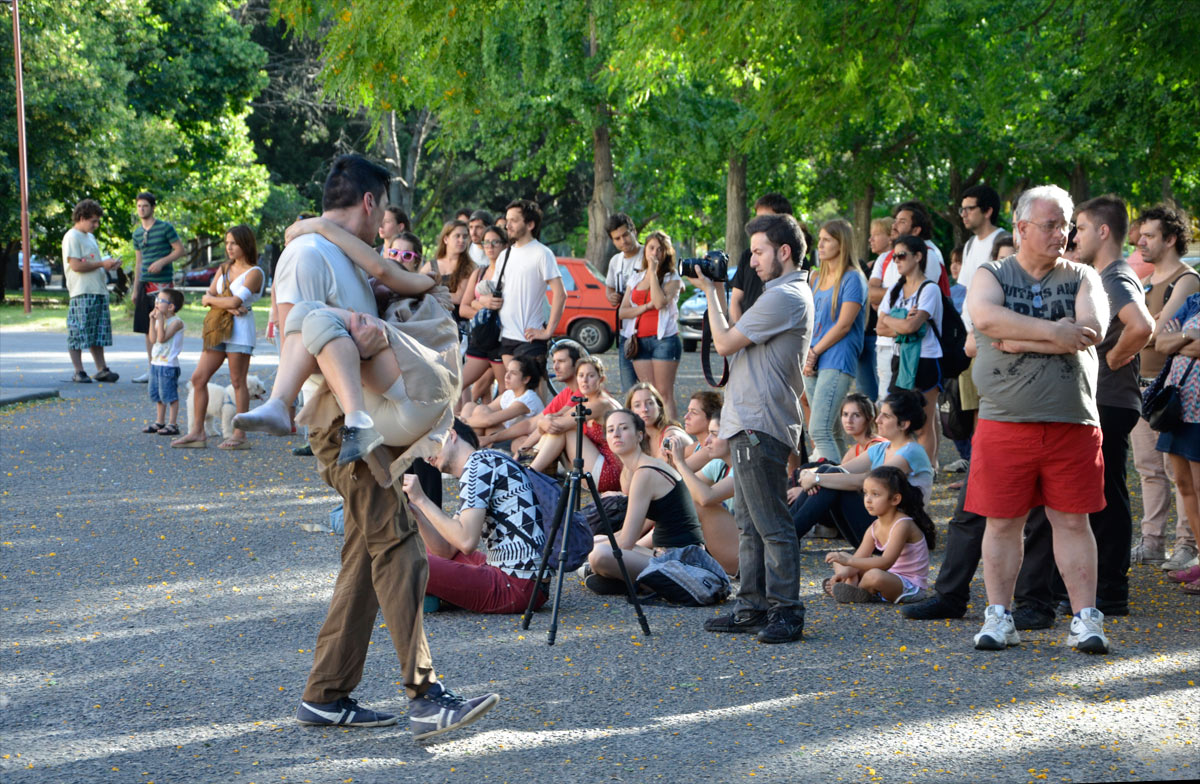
(761, 419)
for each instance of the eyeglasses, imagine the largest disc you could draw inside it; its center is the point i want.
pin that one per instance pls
(900, 256)
(408, 256)
(163, 301)
(1054, 227)
(493, 243)
(963, 210)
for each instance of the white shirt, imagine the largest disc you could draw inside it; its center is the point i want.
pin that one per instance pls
(929, 300)
(976, 252)
(527, 270)
(312, 268)
(80, 245)
(244, 328)
(529, 397)
(477, 255)
(668, 317)
(620, 267)
(890, 276)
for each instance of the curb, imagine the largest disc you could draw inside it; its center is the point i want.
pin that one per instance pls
(10, 396)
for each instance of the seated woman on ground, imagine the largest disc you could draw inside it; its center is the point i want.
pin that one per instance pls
(509, 416)
(598, 460)
(563, 356)
(366, 332)
(832, 492)
(711, 488)
(902, 535)
(643, 399)
(858, 422)
(701, 408)
(499, 577)
(660, 514)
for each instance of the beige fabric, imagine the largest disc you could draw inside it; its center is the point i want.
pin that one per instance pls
(424, 338)
(968, 395)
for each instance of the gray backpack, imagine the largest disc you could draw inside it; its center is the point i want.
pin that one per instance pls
(686, 575)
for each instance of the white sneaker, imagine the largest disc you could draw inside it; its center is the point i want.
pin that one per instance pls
(1184, 557)
(1145, 552)
(142, 379)
(998, 630)
(1087, 632)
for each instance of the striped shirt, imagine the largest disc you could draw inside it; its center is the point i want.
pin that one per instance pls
(154, 244)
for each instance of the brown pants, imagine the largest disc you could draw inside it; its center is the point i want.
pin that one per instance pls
(383, 567)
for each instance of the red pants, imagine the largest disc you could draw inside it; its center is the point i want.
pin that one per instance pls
(469, 582)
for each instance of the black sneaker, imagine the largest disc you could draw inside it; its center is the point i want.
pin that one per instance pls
(934, 608)
(357, 443)
(343, 713)
(1026, 618)
(441, 710)
(106, 376)
(740, 622)
(784, 624)
(605, 586)
(1064, 608)
(81, 378)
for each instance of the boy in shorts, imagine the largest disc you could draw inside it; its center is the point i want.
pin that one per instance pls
(166, 330)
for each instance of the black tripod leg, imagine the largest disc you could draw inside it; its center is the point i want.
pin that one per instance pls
(545, 562)
(570, 502)
(616, 550)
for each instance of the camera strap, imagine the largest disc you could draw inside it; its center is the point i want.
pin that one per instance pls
(706, 353)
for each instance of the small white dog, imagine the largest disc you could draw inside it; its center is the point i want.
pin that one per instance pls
(222, 405)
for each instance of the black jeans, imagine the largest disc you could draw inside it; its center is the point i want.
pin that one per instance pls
(844, 507)
(1039, 584)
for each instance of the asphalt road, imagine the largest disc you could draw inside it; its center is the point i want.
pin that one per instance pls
(158, 610)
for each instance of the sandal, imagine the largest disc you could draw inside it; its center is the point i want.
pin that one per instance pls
(186, 443)
(168, 430)
(1188, 575)
(232, 443)
(1192, 588)
(155, 427)
(827, 586)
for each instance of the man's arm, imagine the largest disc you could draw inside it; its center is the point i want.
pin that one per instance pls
(875, 291)
(558, 301)
(176, 253)
(1185, 286)
(462, 532)
(1138, 327)
(735, 304)
(986, 300)
(137, 275)
(726, 340)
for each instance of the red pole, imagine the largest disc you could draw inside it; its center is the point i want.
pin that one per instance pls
(21, 159)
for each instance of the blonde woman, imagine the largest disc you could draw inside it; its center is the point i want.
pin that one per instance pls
(840, 298)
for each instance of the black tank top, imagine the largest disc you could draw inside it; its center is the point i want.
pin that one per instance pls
(674, 516)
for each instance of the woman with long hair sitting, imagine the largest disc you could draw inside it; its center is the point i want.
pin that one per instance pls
(643, 399)
(598, 460)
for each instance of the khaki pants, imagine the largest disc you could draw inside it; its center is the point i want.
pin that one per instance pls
(1154, 468)
(383, 567)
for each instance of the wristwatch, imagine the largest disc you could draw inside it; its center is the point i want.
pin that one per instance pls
(816, 479)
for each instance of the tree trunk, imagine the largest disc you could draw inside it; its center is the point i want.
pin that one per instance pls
(862, 223)
(404, 165)
(604, 195)
(735, 207)
(1080, 189)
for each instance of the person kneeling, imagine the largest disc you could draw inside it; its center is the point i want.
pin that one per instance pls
(658, 500)
(499, 508)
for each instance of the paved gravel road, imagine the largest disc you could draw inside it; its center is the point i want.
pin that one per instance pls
(159, 609)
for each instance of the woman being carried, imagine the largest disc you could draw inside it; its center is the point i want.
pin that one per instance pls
(660, 514)
(598, 460)
(902, 534)
(833, 492)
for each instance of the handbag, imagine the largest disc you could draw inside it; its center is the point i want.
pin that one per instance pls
(631, 347)
(1162, 403)
(218, 322)
(485, 325)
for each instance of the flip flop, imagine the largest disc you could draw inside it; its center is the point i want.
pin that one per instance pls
(230, 443)
(827, 586)
(852, 594)
(200, 443)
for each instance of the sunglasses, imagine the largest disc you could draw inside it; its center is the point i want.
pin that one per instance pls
(900, 256)
(407, 256)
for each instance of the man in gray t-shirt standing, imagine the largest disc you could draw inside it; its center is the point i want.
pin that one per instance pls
(762, 419)
(1038, 318)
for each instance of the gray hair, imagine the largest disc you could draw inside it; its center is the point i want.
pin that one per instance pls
(1050, 193)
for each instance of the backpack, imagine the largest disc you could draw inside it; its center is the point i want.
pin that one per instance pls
(546, 492)
(686, 575)
(957, 424)
(952, 337)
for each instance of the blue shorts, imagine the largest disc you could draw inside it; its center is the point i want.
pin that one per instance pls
(668, 349)
(164, 383)
(233, 348)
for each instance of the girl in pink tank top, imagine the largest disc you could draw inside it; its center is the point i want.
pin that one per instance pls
(892, 563)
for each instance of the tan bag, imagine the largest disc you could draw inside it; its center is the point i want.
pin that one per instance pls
(218, 323)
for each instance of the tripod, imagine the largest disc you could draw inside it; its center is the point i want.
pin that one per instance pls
(568, 504)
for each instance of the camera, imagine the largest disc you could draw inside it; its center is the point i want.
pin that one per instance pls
(714, 266)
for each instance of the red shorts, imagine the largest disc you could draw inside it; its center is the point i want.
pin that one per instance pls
(1016, 466)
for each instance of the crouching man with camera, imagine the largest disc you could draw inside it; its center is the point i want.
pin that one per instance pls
(761, 419)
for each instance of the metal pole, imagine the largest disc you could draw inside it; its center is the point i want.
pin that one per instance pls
(22, 165)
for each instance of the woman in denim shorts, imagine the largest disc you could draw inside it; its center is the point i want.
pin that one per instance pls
(650, 305)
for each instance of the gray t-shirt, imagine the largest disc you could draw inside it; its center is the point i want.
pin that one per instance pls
(765, 378)
(1119, 388)
(1036, 387)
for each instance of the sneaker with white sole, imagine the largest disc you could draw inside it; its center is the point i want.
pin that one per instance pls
(346, 712)
(1183, 557)
(1146, 552)
(142, 379)
(441, 710)
(1087, 632)
(998, 630)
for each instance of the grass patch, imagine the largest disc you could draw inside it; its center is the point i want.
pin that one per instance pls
(49, 313)
(25, 405)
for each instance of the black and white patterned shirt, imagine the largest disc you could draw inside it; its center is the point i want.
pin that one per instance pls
(494, 482)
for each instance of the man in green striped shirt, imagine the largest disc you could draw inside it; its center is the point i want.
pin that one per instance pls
(156, 245)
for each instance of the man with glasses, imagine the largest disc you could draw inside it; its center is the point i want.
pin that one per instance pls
(1037, 320)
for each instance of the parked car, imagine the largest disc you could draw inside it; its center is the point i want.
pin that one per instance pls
(692, 314)
(39, 270)
(199, 276)
(587, 317)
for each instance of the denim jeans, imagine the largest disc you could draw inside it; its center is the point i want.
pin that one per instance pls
(864, 379)
(768, 549)
(628, 376)
(825, 393)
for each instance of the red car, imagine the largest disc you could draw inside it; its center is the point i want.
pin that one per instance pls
(587, 317)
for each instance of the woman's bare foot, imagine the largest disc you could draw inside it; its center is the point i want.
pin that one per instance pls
(191, 441)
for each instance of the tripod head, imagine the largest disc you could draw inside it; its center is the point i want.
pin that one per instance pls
(581, 411)
(581, 414)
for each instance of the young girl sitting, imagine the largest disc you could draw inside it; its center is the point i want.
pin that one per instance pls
(510, 415)
(902, 534)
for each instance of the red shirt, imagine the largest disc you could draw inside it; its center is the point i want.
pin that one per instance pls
(560, 401)
(647, 323)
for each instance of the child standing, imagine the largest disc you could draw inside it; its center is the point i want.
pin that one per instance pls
(902, 533)
(166, 330)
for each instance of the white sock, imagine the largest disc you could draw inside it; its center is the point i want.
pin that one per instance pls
(359, 419)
